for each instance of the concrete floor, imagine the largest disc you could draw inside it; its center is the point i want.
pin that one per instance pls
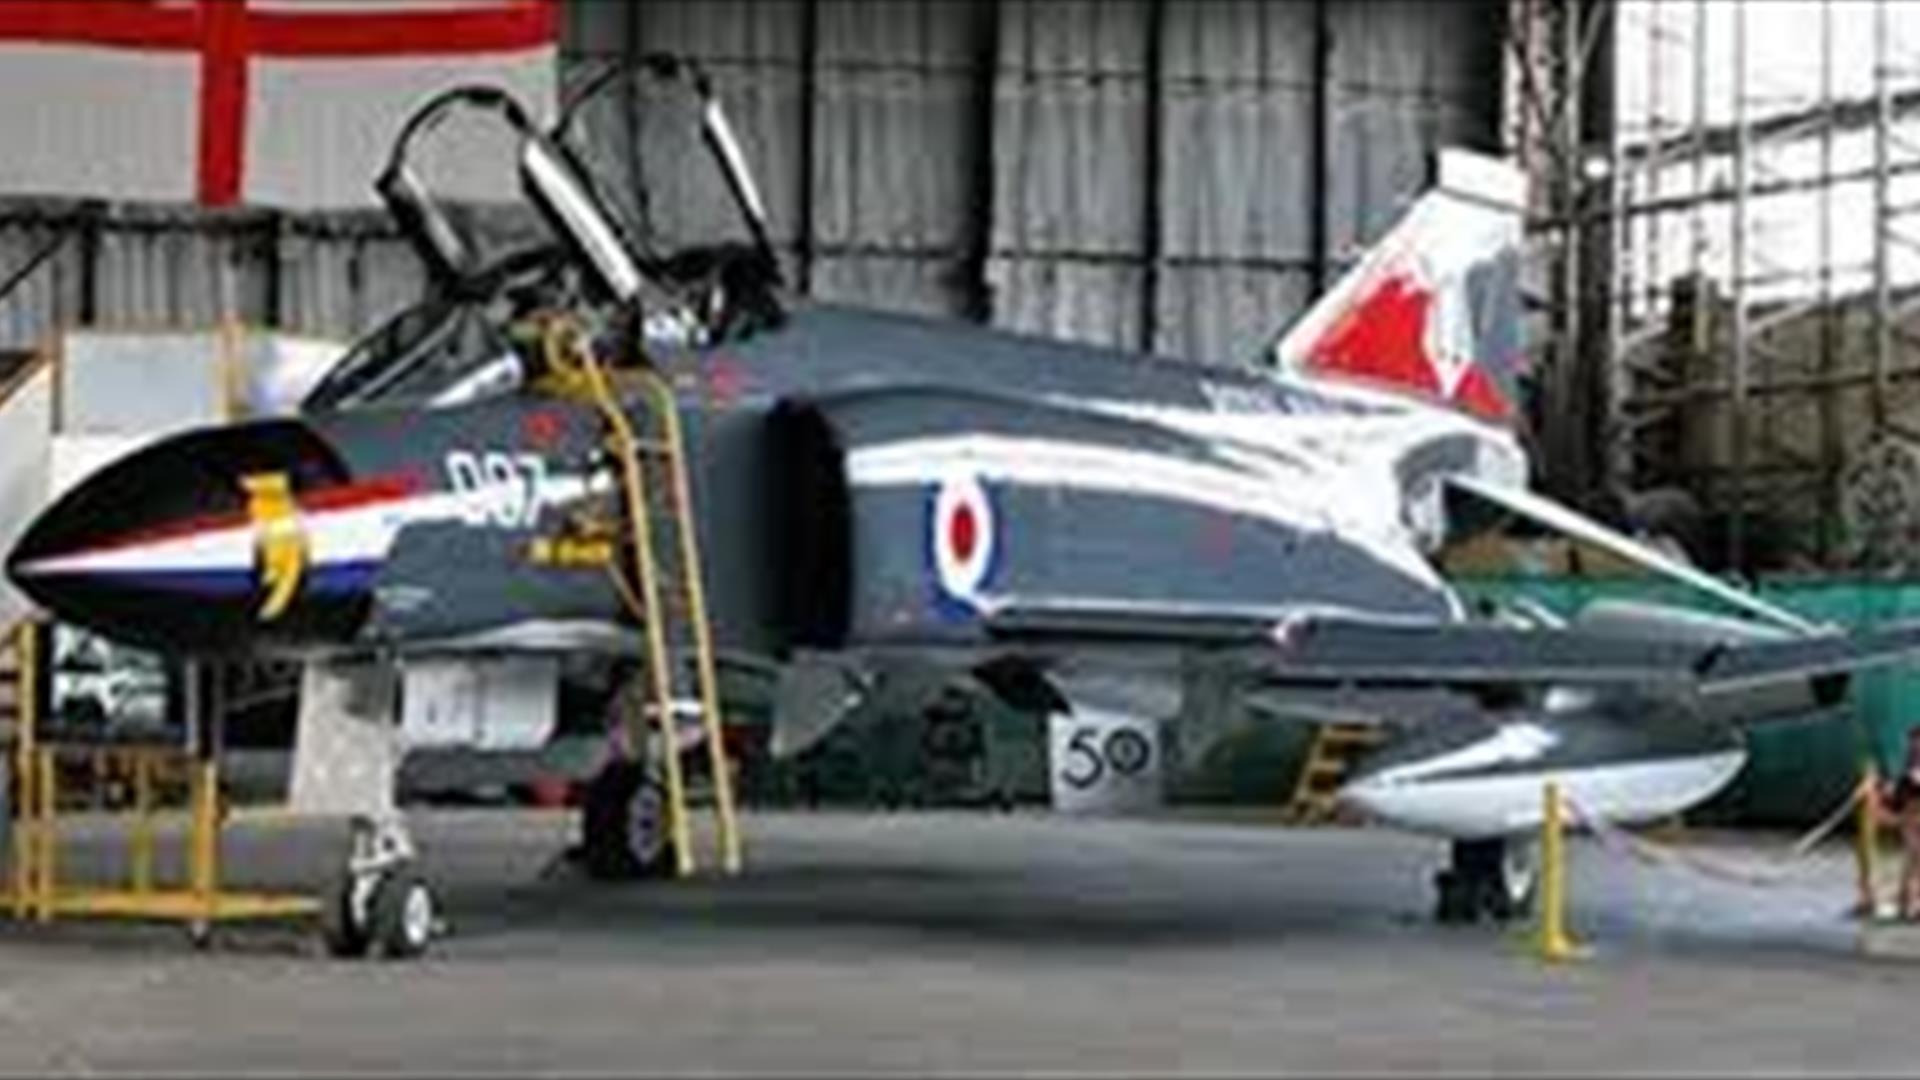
(962, 943)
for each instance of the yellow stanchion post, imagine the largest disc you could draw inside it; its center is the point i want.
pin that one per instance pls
(24, 840)
(1550, 939)
(1866, 842)
(44, 835)
(141, 857)
(205, 873)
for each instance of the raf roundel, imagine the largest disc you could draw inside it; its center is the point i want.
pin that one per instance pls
(964, 536)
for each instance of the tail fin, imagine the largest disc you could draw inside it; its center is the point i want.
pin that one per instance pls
(1433, 309)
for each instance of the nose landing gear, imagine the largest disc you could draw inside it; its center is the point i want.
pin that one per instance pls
(380, 900)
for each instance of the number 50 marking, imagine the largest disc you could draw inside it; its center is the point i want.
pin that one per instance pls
(1124, 750)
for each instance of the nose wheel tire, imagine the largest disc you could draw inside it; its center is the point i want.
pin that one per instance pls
(343, 922)
(404, 914)
(380, 900)
(393, 911)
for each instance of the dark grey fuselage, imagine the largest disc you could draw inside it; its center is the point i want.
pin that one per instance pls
(835, 384)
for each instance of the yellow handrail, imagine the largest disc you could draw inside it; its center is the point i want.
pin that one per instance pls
(703, 634)
(574, 369)
(634, 491)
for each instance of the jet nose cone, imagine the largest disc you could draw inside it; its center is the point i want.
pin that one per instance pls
(174, 546)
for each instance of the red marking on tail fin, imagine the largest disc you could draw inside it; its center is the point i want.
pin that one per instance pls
(1481, 396)
(1382, 337)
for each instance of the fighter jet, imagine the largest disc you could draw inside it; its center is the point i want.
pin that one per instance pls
(1068, 525)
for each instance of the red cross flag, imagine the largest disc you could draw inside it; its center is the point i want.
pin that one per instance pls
(280, 102)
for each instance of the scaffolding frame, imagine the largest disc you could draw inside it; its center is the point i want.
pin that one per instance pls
(1679, 348)
(36, 889)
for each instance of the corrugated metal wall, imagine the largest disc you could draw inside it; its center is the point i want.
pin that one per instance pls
(1174, 174)
(125, 265)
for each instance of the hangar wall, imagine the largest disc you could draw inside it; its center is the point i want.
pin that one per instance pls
(1167, 174)
(1179, 174)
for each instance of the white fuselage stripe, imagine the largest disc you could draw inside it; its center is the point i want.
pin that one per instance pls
(1034, 461)
(1301, 502)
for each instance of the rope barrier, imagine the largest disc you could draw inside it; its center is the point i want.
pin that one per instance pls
(1774, 871)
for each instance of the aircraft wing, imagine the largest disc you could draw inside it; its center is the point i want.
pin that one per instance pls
(1336, 649)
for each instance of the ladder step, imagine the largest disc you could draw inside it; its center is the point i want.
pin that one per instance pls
(1330, 758)
(1365, 736)
(650, 449)
(1350, 742)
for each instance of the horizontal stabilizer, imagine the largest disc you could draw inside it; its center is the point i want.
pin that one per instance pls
(1580, 527)
(1743, 666)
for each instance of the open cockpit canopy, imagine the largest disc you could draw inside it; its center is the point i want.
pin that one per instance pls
(590, 245)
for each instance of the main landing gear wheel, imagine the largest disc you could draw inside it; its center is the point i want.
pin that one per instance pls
(623, 822)
(380, 899)
(1495, 878)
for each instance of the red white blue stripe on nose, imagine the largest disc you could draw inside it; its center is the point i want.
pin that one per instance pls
(349, 531)
(965, 536)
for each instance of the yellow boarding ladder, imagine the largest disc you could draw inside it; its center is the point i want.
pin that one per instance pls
(663, 556)
(12, 679)
(1335, 749)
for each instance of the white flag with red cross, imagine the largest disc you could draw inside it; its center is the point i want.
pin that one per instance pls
(288, 103)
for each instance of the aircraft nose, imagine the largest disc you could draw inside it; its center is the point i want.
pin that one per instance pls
(195, 545)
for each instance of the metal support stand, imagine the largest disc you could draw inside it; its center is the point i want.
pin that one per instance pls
(35, 889)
